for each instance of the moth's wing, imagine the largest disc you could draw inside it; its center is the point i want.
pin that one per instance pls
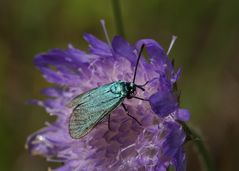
(90, 108)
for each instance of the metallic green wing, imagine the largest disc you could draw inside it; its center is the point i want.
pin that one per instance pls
(92, 106)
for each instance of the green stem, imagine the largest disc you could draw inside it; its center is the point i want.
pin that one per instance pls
(118, 17)
(205, 156)
(200, 146)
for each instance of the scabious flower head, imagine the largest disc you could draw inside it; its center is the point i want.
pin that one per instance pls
(155, 145)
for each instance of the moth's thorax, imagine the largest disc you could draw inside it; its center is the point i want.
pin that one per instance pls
(124, 89)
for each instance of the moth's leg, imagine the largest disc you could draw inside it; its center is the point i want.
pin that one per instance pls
(146, 83)
(126, 110)
(140, 98)
(109, 127)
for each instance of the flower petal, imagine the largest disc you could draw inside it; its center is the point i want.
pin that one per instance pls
(173, 140)
(155, 51)
(123, 49)
(52, 91)
(179, 161)
(163, 103)
(183, 115)
(60, 78)
(97, 46)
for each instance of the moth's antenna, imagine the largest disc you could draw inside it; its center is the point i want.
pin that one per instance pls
(137, 63)
(171, 44)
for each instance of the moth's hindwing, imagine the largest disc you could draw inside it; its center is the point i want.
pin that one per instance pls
(91, 107)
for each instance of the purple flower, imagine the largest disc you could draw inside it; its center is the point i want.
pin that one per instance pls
(155, 145)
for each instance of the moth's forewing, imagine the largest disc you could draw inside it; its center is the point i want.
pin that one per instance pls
(91, 107)
(81, 98)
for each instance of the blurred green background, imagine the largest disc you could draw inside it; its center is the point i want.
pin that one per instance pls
(207, 48)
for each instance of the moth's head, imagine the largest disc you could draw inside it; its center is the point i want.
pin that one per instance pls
(131, 89)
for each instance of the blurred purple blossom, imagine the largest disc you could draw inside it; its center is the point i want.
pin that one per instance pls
(156, 145)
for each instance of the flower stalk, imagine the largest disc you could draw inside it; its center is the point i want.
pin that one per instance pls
(201, 147)
(118, 17)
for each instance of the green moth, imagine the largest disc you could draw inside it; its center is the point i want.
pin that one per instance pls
(93, 106)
